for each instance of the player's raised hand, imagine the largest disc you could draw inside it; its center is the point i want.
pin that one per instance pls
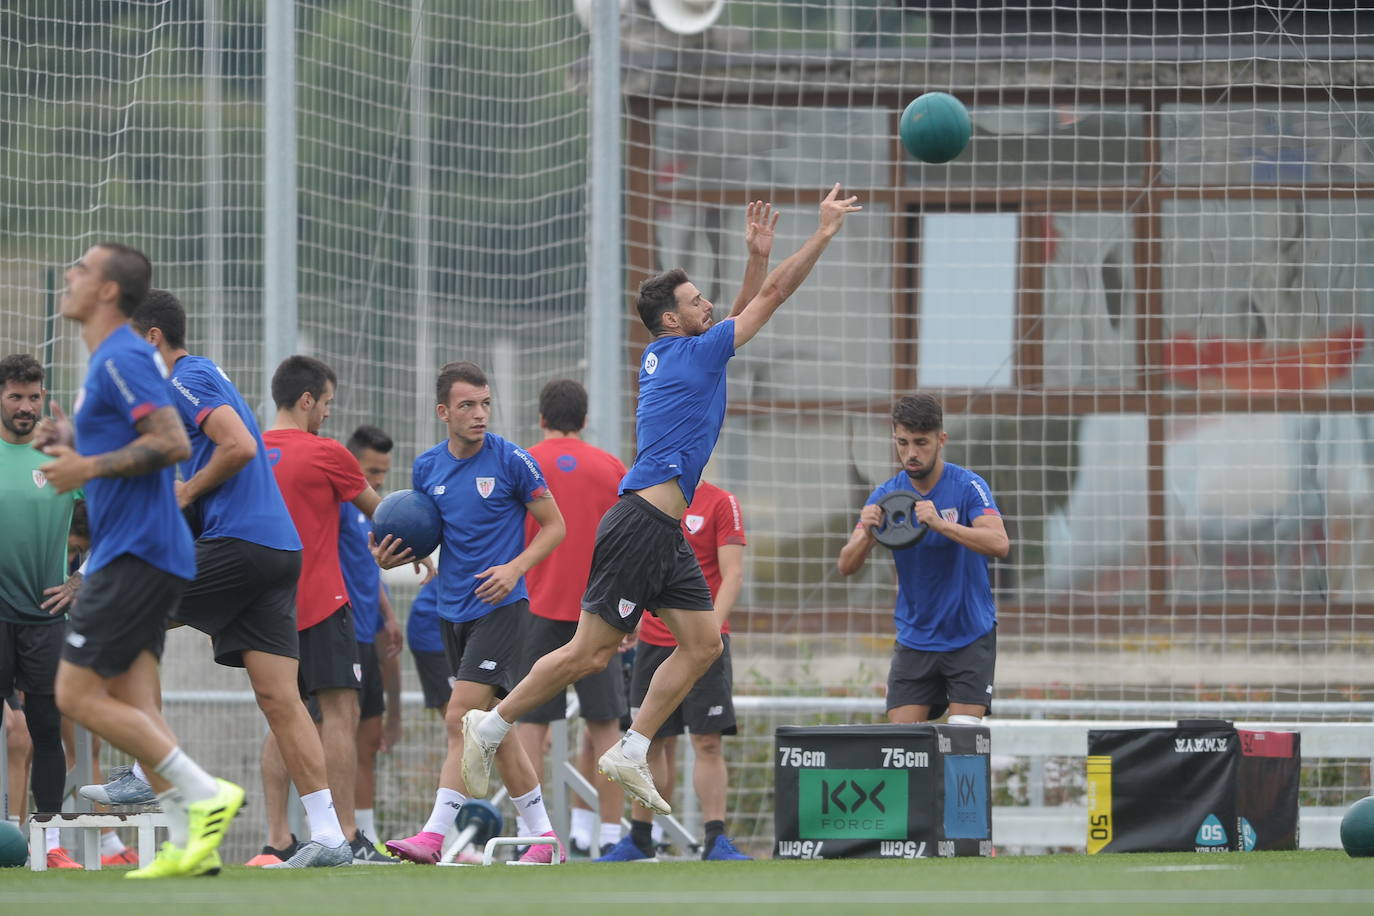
(760, 222)
(54, 430)
(70, 471)
(390, 553)
(834, 208)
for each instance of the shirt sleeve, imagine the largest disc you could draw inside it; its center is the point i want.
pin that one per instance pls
(978, 499)
(729, 521)
(138, 386)
(195, 395)
(345, 474)
(527, 481)
(714, 348)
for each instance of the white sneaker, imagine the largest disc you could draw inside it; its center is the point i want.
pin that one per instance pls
(477, 756)
(634, 777)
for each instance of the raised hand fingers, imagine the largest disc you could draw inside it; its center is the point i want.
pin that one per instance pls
(56, 410)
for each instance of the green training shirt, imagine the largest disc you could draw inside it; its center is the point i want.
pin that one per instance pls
(34, 520)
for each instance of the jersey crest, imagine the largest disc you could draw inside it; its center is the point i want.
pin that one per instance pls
(950, 515)
(40, 480)
(485, 485)
(694, 522)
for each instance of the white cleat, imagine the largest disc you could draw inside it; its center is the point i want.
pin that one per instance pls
(635, 778)
(477, 756)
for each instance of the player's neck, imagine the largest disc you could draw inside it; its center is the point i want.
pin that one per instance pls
(461, 448)
(290, 419)
(558, 434)
(102, 323)
(931, 480)
(9, 437)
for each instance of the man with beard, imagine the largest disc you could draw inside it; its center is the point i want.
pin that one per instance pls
(946, 619)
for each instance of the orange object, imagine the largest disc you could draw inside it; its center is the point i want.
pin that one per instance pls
(60, 858)
(127, 857)
(1247, 365)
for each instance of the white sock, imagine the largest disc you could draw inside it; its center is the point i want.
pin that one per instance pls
(530, 808)
(367, 822)
(324, 820)
(583, 819)
(174, 806)
(111, 844)
(446, 805)
(191, 781)
(610, 833)
(493, 729)
(139, 772)
(521, 828)
(52, 837)
(635, 746)
(965, 720)
(657, 832)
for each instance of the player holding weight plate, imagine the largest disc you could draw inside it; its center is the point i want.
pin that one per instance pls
(946, 618)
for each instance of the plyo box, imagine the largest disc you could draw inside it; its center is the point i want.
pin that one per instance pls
(881, 791)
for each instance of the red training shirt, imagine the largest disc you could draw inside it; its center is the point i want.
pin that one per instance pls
(711, 520)
(584, 480)
(315, 475)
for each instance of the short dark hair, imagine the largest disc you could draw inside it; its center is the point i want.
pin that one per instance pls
(298, 375)
(162, 310)
(563, 405)
(920, 413)
(131, 270)
(460, 371)
(369, 436)
(20, 368)
(658, 295)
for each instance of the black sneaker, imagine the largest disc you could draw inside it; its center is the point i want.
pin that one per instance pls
(271, 856)
(577, 849)
(606, 849)
(365, 852)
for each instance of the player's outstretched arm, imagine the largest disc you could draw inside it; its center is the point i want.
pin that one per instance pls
(760, 221)
(161, 442)
(855, 551)
(787, 276)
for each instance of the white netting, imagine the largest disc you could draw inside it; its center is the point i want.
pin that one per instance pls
(1143, 291)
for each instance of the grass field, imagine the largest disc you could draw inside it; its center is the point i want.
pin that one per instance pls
(1306, 883)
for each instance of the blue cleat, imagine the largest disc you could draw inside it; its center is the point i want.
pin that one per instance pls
(625, 851)
(723, 850)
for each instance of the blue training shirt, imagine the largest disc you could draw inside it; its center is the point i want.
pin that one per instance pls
(482, 502)
(362, 576)
(422, 625)
(249, 505)
(133, 515)
(681, 408)
(944, 599)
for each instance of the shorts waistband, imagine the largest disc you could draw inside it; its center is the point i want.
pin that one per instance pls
(649, 509)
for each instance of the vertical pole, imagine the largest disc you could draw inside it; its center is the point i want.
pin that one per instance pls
(279, 315)
(213, 302)
(605, 297)
(425, 368)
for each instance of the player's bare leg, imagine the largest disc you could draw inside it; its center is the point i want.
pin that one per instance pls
(276, 783)
(698, 646)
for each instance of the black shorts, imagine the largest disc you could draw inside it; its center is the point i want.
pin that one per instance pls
(329, 655)
(433, 669)
(642, 562)
(244, 598)
(708, 709)
(487, 650)
(121, 611)
(371, 696)
(601, 696)
(29, 653)
(936, 679)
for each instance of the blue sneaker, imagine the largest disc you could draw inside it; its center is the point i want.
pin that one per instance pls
(124, 788)
(625, 851)
(723, 850)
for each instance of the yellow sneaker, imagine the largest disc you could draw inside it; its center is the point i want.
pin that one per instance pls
(208, 822)
(208, 867)
(167, 864)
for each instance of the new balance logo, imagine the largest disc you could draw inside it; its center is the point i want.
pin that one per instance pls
(76, 640)
(715, 710)
(438, 490)
(488, 665)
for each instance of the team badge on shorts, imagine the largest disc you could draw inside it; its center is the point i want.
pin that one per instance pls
(485, 485)
(40, 480)
(627, 607)
(694, 522)
(950, 515)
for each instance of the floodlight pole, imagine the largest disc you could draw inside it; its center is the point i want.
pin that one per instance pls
(605, 289)
(279, 310)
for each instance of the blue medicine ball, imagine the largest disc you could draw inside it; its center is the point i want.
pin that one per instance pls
(411, 516)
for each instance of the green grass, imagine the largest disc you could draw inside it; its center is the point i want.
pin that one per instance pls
(1305, 883)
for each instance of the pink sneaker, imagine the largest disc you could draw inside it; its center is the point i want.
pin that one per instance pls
(541, 854)
(424, 848)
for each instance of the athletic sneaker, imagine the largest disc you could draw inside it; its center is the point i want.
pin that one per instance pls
(477, 756)
(123, 788)
(582, 850)
(723, 850)
(171, 863)
(208, 820)
(634, 777)
(317, 855)
(119, 859)
(423, 848)
(271, 855)
(541, 854)
(60, 858)
(625, 851)
(365, 852)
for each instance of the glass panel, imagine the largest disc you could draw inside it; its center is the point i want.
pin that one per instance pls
(1020, 145)
(968, 299)
(1266, 144)
(1088, 328)
(772, 148)
(1268, 295)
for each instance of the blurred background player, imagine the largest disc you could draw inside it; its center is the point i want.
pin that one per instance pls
(584, 480)
(714, 526)
(317, 476)
(946, 649)
(142, 556)
(426, 641)
(484, 486)
(33, 561)
(380, 693)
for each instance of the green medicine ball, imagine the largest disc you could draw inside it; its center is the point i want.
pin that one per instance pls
(14, 852)
(1357, 828)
